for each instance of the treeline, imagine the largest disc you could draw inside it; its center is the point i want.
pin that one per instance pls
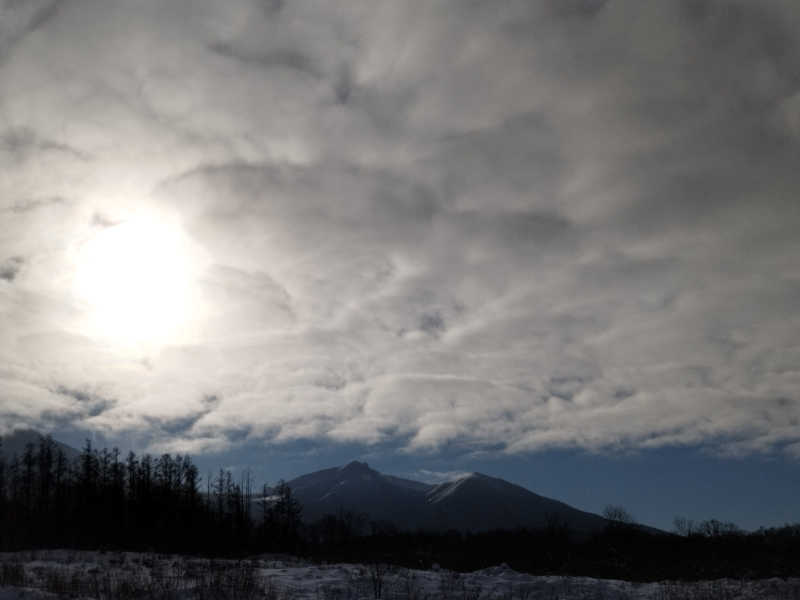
(621, 551)
(104, 500)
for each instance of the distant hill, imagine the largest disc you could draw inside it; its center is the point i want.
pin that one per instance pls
(474, 502)
(17, 441)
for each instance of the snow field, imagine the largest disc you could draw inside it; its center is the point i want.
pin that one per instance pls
(40, 575)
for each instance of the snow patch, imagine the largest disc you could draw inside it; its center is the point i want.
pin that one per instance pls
(443, 490)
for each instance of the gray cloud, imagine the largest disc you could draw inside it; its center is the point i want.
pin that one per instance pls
(10, 268)
(181, 426)
(432, 323)
(278, 58)
(85, 405)
(490, 226)
(22, 18)
(33, 204)
(24, 143)
(101, 220)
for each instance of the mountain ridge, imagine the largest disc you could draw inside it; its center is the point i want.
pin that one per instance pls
(472, 502)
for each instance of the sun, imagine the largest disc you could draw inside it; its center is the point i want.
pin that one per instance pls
(135, 281)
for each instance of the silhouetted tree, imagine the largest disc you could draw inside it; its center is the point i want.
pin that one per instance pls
(283, 518)
(3, 484)
(715, 528)
(618, 515)
(683, 526)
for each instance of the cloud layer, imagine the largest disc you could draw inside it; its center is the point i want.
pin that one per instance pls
(498, 226)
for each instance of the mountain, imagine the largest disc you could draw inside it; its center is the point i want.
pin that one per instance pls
(357, 488)
(16, 442)
(480, 502)
(474, 502)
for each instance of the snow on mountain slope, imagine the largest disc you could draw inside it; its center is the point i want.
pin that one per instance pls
(441, 491)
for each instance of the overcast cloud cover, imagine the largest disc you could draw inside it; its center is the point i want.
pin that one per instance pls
(498, 226)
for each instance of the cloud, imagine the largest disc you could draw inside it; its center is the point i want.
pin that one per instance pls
(24, 143)
(22, 18)
(11, 268)
(500, 226)
(278, 58)
(33, 204)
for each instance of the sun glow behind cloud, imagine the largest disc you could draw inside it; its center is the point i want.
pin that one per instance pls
(135, 279)
(516, 227)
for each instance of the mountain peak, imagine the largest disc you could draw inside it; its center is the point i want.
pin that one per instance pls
(355, 465)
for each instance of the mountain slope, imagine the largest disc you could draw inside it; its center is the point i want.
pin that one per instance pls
(480, 502)
(16, 442)
(357, 488)
(475, 502)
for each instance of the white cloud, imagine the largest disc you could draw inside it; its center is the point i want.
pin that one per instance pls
(506, 226)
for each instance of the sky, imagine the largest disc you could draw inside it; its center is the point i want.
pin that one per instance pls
(552, 241)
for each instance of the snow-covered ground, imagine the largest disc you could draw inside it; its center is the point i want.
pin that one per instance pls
(128, 576)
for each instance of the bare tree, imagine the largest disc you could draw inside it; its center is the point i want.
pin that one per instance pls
(684, 526)
(716, 528)
(377, 573)
(618, 515)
